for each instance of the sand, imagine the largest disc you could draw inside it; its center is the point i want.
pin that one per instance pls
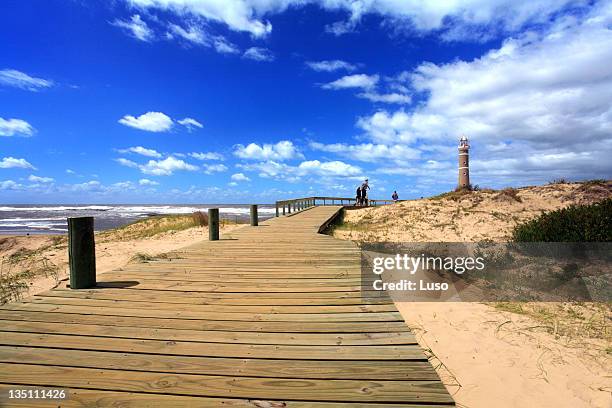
(485, 356)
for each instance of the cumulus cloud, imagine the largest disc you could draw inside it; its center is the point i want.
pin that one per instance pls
(166, 167)
(13, 163)
(214, 168)
(190, 123)
(240, 177)
(36, 179)
(18, 79)
(453, 19)
(535, 109)
(143, 151)
(369, 152)
(386, 97)
(331, 66)
(12, 127)
(283, 150)
(121, 161)
(10, 185)
(353, 81)
(258, 54)
(150, 121)
(147, 182)
(206, 156)
(321, 171)
(136, 27)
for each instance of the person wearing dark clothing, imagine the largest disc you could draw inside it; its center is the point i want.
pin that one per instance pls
(358, 197)
(395, 197)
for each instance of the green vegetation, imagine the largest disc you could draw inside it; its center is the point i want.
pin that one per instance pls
(576, 223)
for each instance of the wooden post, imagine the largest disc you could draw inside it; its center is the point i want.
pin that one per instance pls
(284, 208)
(289, 207)
(254, 217)
(81, 252)
(277, 209)
(213, 224)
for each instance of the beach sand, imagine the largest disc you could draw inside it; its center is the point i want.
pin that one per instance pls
(545, 354)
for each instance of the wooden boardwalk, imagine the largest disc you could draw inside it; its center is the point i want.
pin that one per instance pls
(269, 316)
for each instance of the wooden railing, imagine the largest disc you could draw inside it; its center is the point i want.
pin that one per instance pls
(285, 207)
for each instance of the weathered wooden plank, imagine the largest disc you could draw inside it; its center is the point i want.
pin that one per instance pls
(126, 303)
(303, 339)
(188, 348)
(180, 324)
(236, 367)
(80, 398)
(221, 386)
(189, 314)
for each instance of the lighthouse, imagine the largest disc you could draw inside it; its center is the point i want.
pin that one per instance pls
(464, 163)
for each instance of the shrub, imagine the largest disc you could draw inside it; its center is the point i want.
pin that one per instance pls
(576, 223)
(511, 193)
(200, 218)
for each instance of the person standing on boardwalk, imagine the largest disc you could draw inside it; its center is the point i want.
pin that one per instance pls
(358, 196)
(364, 192)
(394, 196)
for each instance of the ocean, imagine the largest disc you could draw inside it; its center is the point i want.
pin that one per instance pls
(24, 219)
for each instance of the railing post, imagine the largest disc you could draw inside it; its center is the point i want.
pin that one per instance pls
(277, 209)
(213, 224)
(81, 252)
(289, 208)
(254, 217)
(284, 205)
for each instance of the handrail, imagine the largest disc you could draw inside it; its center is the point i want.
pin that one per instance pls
(300, 204)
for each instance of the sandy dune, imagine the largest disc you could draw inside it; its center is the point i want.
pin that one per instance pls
(546, 356)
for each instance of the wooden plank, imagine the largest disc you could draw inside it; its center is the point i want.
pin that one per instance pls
(301, 309)
(180, 324)
(80, 398)
(221, 386)
(188, 348)
(235, 367)
(303, 339)
(188, 314)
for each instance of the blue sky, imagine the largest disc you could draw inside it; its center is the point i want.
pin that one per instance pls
(163, 101)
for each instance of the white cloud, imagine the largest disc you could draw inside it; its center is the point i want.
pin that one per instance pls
(383, 127)
(214, 168)
(283, 150)
(69, 171)
(353, 81)
(150, 121)
(223, 46)
(386, 98)
(206, 156)
(11, 162)
(258, 54)
(321, 171)
(190, 123)
(142, 151)
(18, 79)
(196, 34)
(468, 18)
(121, 161)
(147, 182)
(192, 33)
(11, 127)
(240, 177)
(10, 185)
(36, 179)
(239, 15)
(368, 152)
(232, 184)
(136, 27)
(331, 65)
(166, 167)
